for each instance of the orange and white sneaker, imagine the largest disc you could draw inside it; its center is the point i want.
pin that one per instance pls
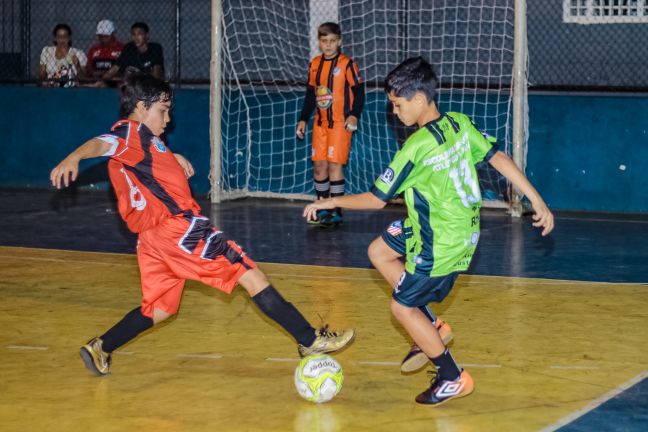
(443, 390)
(416, 358)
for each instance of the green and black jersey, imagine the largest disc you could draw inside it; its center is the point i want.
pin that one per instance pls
(436, 171)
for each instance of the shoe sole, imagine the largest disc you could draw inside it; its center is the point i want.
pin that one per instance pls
(89, 363)
(420, 360)
(349, 342)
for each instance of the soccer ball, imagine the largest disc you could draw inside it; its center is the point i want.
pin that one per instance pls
(318, 378)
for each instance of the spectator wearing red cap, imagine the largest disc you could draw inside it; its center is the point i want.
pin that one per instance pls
(103, 54)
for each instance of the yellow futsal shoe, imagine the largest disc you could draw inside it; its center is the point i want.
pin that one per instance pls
(327, 342)
(95, 358)
(416, 358)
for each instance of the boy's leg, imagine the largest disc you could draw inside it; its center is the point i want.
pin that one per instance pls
(336, 174)
(385, 254)
(320, 169)
(412, 291)
(272, 304)
(322, 187)
(96, 354)
(161, 294)
(451, 381)
(339, 145)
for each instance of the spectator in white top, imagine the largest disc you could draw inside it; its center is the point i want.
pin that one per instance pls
(62, 65)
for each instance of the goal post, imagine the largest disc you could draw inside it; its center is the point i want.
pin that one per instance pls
(260, 63)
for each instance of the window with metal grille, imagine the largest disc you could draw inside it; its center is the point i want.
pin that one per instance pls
(605, 11)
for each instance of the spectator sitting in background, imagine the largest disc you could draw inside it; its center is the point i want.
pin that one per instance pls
(103, 54)
(62, 65)
(139, 55)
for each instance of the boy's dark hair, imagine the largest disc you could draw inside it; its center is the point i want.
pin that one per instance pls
(145, 88)
(328, 28)
(410, 77)
(140, 25)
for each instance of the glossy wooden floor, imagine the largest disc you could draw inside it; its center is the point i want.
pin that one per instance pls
(538, 349)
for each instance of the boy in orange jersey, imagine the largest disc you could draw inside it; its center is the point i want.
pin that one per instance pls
(175, 241)
(334, 87)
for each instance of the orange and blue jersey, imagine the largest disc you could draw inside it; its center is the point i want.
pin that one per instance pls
(335, 89)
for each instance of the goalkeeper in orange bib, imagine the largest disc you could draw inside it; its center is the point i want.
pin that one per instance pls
(175, 242)
(334, 87)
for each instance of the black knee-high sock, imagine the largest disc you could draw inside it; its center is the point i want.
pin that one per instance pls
(125, 330)
(285, 314)
(337, 189)
(322, 188)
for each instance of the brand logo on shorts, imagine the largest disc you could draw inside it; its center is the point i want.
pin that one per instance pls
(323, 97)
(400, 282)
(159, 145)
(388, 176)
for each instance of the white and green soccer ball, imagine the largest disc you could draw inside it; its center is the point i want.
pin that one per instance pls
(318, 378)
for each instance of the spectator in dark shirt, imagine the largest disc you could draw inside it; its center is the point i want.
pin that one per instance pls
(139, 55)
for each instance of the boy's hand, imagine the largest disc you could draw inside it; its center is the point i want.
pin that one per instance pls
(185, 164)
(351, 123)
(543, 217)
(65, 172)
(310, 212)
(301, 129)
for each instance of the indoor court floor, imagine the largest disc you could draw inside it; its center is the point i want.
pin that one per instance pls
(553, 330)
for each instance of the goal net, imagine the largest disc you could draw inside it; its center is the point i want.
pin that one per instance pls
(264, 59)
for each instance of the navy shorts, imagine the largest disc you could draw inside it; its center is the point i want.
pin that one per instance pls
(415, 290)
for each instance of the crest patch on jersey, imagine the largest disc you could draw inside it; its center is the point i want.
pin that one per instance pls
(336, 71)
(388, 176)
(159, 145)
(324, 97)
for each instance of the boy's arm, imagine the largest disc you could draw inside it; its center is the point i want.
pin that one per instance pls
(543, 216)
(361, 201)
(66, 171)
(307, 110)
(187, 167)
(351, 122)
(358, 89)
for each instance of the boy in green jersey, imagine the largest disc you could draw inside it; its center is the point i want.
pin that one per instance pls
(435, 170)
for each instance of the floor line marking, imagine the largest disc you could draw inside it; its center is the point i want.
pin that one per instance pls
(208, 356)
(282, 359)
(462, 280)
(572, 367)
(28, 347)
(484, 366)
(124, 353)
(379, 363)
(595, 403)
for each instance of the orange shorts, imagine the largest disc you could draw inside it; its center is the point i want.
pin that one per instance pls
(332, 145)
(182, 248)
